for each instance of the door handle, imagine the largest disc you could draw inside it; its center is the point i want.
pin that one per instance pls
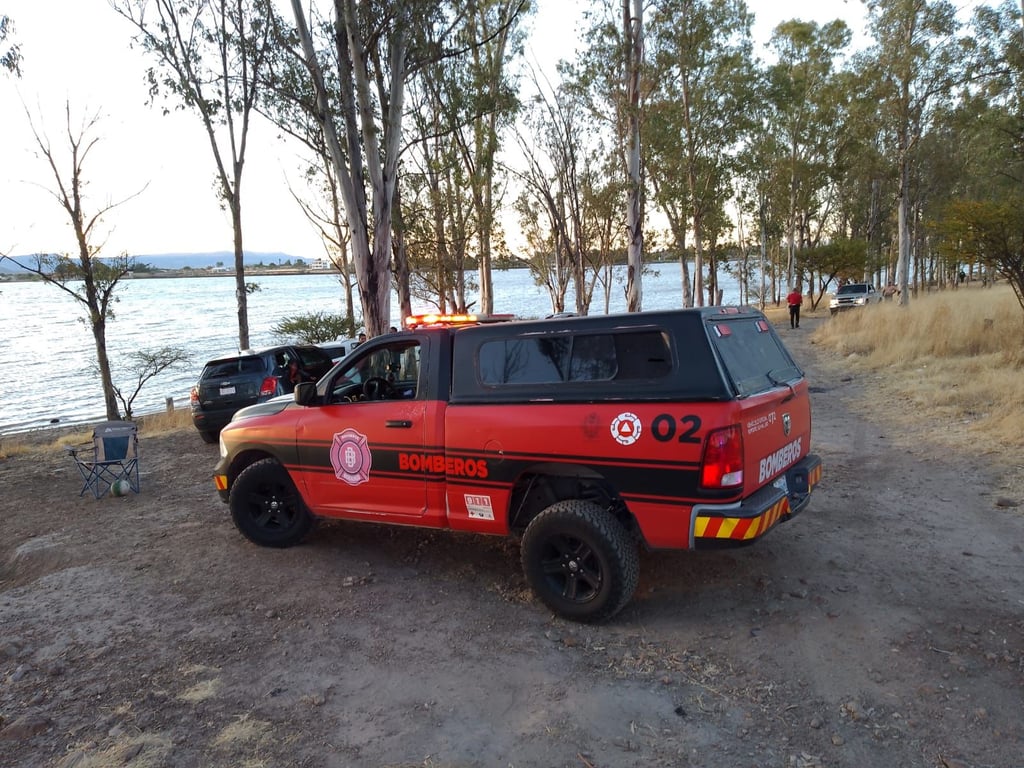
(398, 424)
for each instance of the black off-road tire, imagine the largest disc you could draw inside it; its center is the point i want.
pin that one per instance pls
(580, 561)
(210, 438)
(266, 508)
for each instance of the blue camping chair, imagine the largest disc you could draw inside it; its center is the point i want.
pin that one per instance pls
(114, 461)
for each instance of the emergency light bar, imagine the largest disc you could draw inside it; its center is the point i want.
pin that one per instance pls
(417, 321)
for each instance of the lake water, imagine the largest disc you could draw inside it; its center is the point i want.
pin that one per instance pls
(48, 351)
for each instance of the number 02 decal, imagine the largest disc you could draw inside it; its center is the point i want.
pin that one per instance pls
(664, 428)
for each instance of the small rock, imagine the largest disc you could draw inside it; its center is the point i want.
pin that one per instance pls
(852, 709)
(19, 673)
(25, 727)
(1003, 501)
(837, 740)
(816, 722)
(9, 650)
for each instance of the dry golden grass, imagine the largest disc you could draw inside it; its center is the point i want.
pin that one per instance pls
(165, 423)
(950, 367)
(55, 438)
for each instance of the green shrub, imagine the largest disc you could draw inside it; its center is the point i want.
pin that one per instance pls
(314, 327)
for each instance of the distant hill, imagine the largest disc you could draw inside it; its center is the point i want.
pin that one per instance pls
(182, 260)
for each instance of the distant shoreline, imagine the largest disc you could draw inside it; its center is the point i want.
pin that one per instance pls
(13, 277)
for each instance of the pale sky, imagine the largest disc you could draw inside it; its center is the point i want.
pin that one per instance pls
(79, 51)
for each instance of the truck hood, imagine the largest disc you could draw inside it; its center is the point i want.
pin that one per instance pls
(266, 408)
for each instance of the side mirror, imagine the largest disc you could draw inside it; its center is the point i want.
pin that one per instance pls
(305, 393)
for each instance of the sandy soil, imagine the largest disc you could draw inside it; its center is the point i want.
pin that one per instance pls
(882, 627)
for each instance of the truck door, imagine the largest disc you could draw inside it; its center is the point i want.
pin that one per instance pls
(351, 447)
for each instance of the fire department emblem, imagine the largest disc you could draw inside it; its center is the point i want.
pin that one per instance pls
(350, 457)
(626, 428)
(787, 424)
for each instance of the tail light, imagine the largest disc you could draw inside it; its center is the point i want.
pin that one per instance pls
(269, 387)
(193, 396)
(722, 464)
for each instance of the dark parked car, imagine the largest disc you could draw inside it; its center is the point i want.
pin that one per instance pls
(246, 378)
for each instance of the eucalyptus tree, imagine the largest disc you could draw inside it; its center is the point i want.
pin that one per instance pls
(10, 51)
(698, 111)
(289, 102)
(459, 107)
(373, 48)
(865, 181)
(760, 175)
(802, 93)
(438, 207)
(210, 55)
(919, 61)
(985, 225)
(632, 64)
(550, 203)
(610, 77)
(495, 39)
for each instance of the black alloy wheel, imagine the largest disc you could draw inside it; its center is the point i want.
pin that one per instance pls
(580, 561)
(266, 507)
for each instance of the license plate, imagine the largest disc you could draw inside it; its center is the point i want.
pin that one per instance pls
(781, 484)
(227, 391)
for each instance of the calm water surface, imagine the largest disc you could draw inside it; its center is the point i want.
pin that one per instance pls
(48, 353)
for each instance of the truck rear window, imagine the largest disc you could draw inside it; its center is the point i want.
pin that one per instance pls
(551, 359)
(753, 356)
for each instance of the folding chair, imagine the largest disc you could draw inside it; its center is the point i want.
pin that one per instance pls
(114, 461)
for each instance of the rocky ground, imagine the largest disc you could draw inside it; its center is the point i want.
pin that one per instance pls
(882, 627)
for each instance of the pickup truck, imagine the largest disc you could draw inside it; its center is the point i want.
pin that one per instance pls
(585, 438)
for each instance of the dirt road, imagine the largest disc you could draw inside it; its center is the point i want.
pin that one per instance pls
(882, 627)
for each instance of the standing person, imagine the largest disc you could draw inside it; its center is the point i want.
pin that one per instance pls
(794, 299)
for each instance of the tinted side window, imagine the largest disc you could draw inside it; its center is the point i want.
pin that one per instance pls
(313, 356)
(575, 358)
(220, 369)
(398, 364)
(753, 355)
(532, 360)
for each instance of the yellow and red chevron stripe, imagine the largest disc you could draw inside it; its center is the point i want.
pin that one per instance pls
(814, 477)
(740, 528)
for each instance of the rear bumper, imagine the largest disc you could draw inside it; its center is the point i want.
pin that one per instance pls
(735, 525)
(212, 420)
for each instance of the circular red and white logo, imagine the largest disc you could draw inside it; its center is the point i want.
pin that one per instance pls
(626, 428)
(350, 457)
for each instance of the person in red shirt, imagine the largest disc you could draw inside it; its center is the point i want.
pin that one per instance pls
(794, 299)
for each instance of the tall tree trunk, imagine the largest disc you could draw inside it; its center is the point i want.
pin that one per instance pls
(632, 28)
(903, 260)
(241, 294)
(401, 261)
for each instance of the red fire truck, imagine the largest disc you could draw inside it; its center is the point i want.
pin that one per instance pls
(584, 437)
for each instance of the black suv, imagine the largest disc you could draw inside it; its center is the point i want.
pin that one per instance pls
(235, 381)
